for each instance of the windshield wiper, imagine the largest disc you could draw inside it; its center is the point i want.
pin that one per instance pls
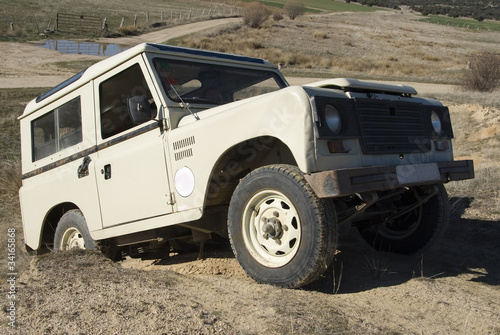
(183, 103)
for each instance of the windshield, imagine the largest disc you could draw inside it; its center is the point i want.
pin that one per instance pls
(214, 84)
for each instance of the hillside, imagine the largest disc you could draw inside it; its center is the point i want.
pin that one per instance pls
(479, 10)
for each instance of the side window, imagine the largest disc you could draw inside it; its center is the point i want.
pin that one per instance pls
(57, 130)
(113, 96)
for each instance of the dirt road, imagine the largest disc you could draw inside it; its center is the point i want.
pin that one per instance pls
(28, 65)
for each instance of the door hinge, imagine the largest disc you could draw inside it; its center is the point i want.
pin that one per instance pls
(165, 125)
(172, 199)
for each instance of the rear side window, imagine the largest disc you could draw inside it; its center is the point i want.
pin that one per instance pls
(59, 129)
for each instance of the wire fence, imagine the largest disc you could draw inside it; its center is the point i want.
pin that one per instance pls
(92, 25)
(78, 23)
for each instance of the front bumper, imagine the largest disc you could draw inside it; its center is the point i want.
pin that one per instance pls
(337, 183)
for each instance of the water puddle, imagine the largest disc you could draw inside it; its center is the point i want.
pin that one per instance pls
(84, 48)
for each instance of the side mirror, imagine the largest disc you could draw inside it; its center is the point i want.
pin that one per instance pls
(139, 109)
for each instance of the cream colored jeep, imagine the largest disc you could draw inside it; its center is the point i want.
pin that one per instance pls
(160, 146)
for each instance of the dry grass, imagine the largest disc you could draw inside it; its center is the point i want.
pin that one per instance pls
(10, 182)
(477, 136)
(17, 32)
(392, 46)
(13, 101)
(127, 30)
(320, 34)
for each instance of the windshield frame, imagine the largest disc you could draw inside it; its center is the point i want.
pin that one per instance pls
(207, 82)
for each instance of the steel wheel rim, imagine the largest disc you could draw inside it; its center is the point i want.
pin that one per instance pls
(72, 239)
(403, 226)
(272, 208)
(396, 234)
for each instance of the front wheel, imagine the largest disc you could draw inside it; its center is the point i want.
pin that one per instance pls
(280, 231)
(410, 222)
(72, 232)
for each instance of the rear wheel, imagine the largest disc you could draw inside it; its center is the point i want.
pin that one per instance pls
(280, 231)
(409, 222)
(72, 232)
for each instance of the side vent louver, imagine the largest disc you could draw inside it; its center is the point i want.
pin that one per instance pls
(182, 148)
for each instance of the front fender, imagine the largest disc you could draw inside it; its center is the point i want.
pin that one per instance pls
(285, 115)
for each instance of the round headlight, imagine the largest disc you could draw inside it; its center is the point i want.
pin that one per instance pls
(436, 123)
(333, 120)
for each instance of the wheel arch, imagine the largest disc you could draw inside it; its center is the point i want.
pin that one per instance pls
(50, 223)
(239, 160)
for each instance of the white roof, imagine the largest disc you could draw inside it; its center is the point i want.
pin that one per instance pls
(105, 65)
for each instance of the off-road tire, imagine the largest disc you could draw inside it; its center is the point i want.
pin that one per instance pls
(72, 232)
(414, 232)
(309, 227)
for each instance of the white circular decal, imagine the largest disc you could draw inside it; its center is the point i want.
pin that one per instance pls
(184, 181)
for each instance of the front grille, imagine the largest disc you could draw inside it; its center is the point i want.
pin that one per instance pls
(392, 127)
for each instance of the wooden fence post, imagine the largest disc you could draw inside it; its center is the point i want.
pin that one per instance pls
(36, 23)
(121, 24)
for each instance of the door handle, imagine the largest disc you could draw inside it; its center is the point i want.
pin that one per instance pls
(106, 171)
(83, 169)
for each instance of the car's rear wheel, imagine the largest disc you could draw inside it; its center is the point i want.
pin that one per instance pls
(280, 231)
(72, 232)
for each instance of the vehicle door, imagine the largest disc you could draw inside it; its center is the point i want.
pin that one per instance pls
(131, 169)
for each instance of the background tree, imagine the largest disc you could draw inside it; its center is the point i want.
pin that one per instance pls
(295, 8)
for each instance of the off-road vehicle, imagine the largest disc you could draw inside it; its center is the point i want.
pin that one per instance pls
(161, 146)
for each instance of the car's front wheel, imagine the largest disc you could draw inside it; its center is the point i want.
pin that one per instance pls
(280, 231)
(410, 222)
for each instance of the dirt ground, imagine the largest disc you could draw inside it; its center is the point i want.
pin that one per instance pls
(453, 288)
